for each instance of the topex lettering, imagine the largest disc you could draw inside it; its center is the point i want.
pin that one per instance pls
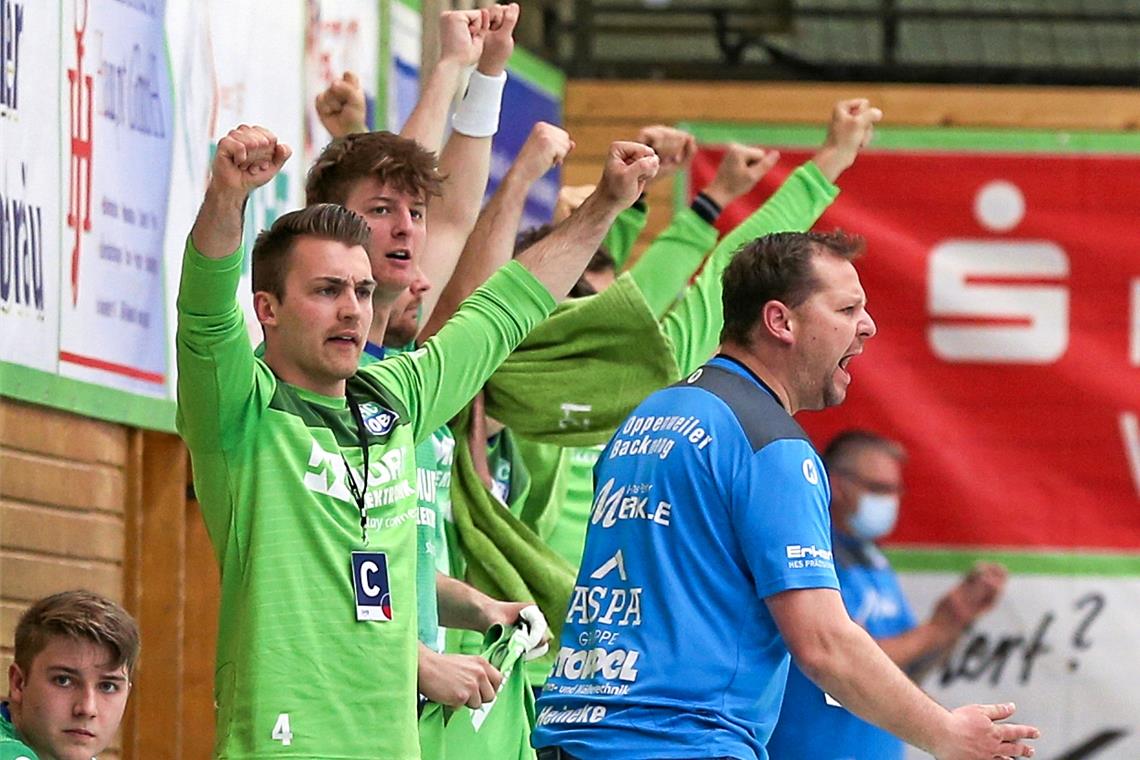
(582, 664)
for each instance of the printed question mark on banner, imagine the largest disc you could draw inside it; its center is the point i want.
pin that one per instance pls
(1095, 602)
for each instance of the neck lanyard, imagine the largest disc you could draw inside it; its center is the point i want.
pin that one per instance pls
(357, 492)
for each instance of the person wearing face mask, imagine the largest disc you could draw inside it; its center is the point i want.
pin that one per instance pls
(865, 471)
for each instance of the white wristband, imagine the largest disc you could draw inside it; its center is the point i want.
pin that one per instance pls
(478, 113)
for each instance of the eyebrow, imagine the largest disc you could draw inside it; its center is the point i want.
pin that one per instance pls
(341, 281)
(391, 199)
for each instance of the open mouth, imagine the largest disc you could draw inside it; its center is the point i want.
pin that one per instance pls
(400, 254)
(843, 364)
(347, 340)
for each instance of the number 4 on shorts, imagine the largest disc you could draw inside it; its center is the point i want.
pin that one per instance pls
(281, 731)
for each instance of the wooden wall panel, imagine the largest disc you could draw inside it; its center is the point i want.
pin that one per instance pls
(63, 506)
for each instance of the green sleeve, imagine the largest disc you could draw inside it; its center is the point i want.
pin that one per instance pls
(436, 381)
(670, 260)
(219, 380)
(623, 234)
(694, 324)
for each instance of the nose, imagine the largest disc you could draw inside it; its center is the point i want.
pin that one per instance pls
(401, 221)
(421, 284)
(86, 703)
(867, 327)
(351, 306)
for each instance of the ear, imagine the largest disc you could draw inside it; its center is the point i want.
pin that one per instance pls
(16, 683)
(776, 320)
(265, 306)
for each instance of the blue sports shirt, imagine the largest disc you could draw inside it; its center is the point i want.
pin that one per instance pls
(707, 500)
(810, 726)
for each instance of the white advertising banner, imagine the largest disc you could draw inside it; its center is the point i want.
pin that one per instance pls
(29, 184)
(116, 128)
(1062, 648)
(342, 35)
(235, 62)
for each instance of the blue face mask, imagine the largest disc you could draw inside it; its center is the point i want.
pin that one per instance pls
(875, 516)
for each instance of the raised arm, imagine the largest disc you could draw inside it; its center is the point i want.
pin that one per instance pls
(845, 662)
(491, 243)
(246, 159)
(216, 367)
(342, 107)
(461, 43)
(558, 259)
(466, 159)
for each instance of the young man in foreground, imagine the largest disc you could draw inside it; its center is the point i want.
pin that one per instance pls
(69, 683)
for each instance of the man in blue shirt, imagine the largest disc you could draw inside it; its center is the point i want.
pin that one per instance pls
(865, 470)
(708, 555)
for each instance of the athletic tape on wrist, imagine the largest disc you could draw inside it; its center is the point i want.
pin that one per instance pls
(478, 113)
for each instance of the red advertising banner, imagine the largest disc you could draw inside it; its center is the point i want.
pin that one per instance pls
(1006, 289)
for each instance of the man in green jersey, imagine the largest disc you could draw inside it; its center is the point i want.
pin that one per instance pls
(304, 466)
(75, 653)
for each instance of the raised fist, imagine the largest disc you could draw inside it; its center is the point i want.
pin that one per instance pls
(545, 148)
(247, 158)
(629, 166)
(461, 35)
(674, 148)
(499, 41)
(341, 107)
(739, 171)
(851, 128)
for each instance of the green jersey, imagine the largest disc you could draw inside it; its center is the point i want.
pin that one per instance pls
(317, 647)
(11, 748)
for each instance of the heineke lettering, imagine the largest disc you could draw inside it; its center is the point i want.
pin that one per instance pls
(21, 251)
(11, 29)
(587, 714)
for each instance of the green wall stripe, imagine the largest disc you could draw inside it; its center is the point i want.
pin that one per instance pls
(1051, 562)
(929, 138)
(86, 399)
(538, 73)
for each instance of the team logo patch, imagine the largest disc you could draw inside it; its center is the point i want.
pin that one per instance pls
(811, 472)
(377, 419)
(371, 586)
